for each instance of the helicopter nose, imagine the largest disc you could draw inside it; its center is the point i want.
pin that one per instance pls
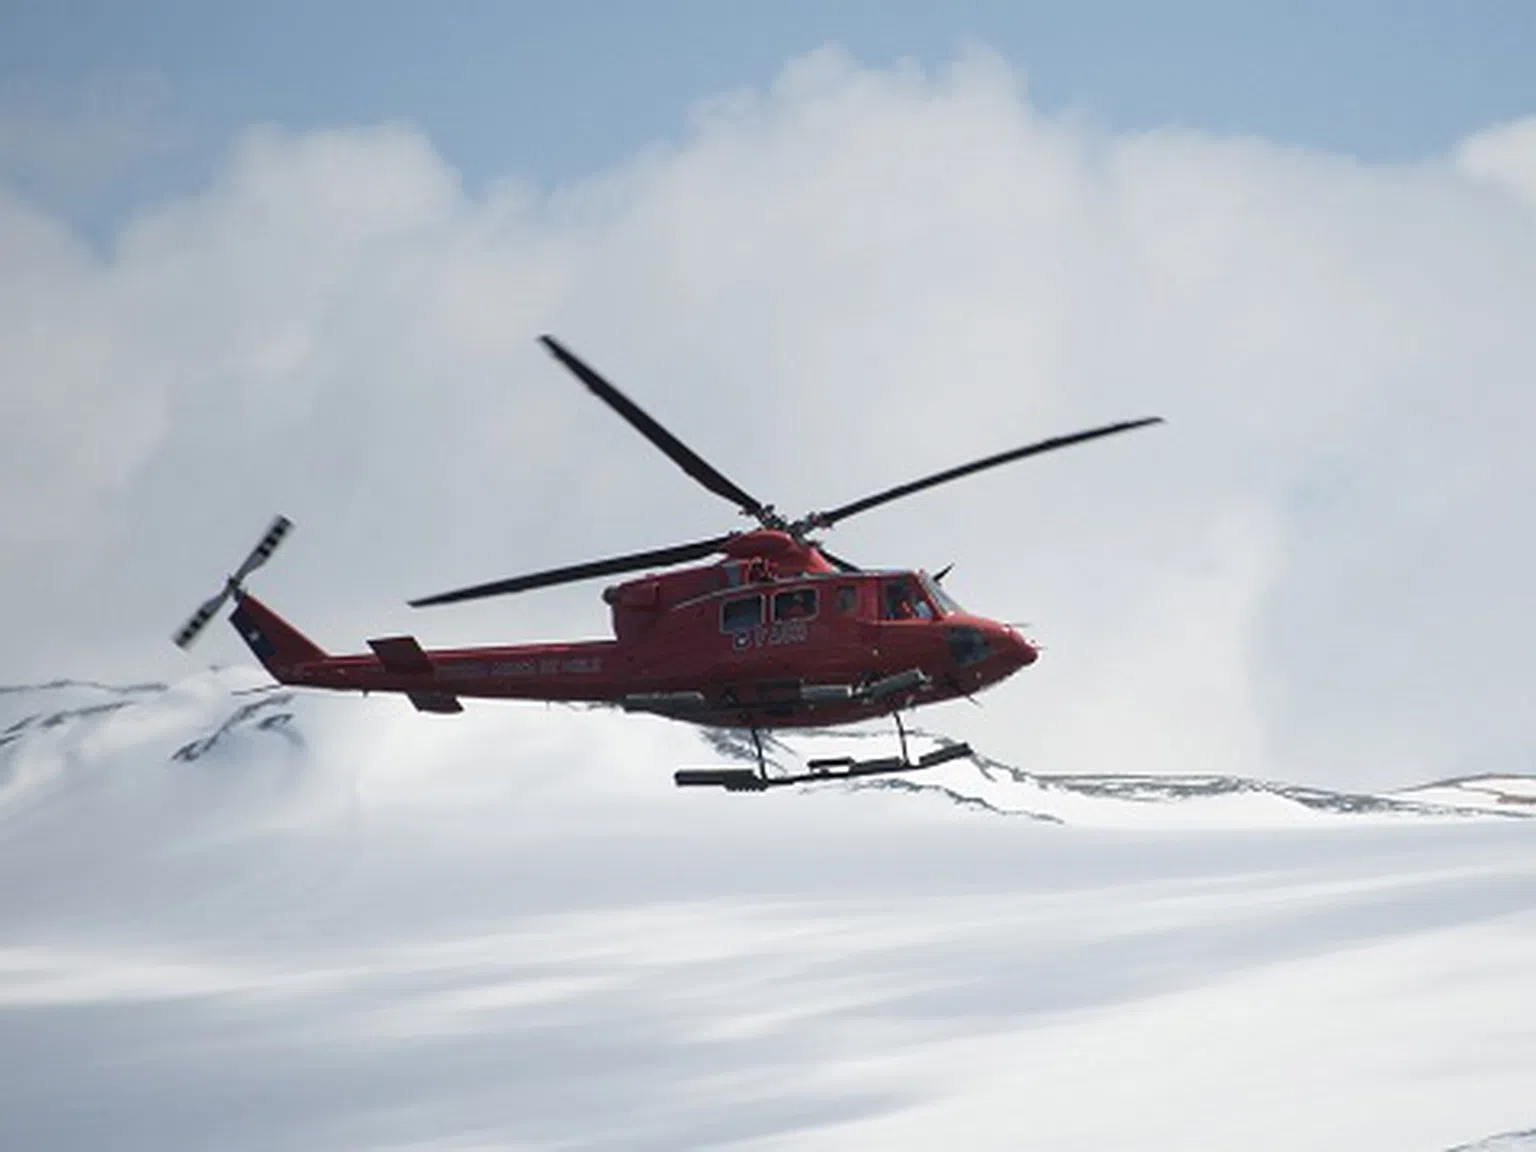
(991, 647)
(1022, 652)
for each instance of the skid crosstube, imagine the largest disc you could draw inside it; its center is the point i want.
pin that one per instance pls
(818, 771)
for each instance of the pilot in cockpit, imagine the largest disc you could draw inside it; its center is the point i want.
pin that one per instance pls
(904, 602)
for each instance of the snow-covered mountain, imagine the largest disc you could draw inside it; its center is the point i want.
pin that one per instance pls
(1505, 1142)
(70, 721)
(232, 916)
(1131, 799)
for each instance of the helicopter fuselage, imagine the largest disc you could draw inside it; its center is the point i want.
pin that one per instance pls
(771, 637)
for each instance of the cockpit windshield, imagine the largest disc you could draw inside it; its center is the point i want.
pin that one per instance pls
(948, 606)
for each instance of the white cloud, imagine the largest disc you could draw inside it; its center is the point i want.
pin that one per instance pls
(77, 417)
(1317, 567)
(1506, 155)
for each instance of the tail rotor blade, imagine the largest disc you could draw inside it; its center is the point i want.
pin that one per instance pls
(193, 628)
(267, 545)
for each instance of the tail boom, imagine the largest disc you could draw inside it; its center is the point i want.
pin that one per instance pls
(583, 671)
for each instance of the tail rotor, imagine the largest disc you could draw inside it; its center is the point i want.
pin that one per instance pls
(267, 545)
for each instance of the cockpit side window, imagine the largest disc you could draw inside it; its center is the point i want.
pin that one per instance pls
(904, 601)
(847, 599)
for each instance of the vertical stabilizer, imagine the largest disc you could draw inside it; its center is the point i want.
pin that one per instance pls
(276, 643)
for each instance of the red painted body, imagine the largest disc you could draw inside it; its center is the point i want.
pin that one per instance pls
(770, 637)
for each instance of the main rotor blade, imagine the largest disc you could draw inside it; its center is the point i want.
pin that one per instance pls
(656, 558)
(685, 458)
(838, 562)
(896, 493)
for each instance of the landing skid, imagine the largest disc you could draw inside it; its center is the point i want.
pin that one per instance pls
(817, 771)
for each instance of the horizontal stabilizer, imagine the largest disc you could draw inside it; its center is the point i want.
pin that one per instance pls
(445, 702)
(402, 655)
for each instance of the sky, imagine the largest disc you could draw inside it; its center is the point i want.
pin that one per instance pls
(257, 260)
(150, 96)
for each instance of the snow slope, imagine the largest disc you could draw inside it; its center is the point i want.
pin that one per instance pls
(1128, 799)
(235, 917)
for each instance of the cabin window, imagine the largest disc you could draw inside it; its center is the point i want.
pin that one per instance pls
(847, 599)
(739, 615)
(795, 604)
(903, 601)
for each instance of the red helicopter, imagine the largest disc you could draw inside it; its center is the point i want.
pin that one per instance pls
(778, 633)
